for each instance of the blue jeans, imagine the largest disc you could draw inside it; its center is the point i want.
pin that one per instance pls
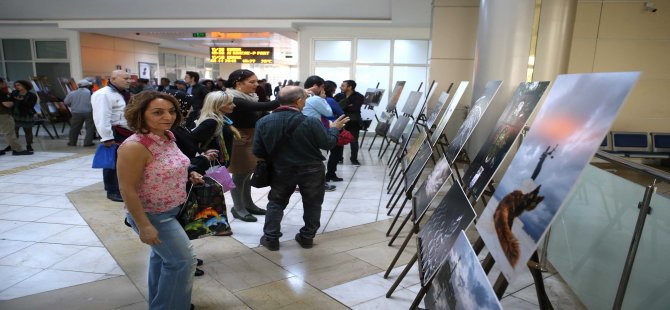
(311, 179)
(171, 263)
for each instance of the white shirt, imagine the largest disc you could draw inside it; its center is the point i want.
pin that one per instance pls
(108, 107)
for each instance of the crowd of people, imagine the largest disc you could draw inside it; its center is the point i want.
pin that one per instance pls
(167, 137)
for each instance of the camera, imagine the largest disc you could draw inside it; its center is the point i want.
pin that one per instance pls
(650, 6)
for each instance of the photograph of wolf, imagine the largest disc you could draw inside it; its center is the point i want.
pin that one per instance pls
(477, 110)
(500, 140)
(461, 283)
(566, 133)
(448, 112)
(453, 214)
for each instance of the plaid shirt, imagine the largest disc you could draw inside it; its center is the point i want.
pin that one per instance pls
(303, 148)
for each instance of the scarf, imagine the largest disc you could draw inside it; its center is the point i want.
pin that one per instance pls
(238, 94)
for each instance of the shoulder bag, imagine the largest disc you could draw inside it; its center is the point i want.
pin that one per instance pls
(263, 172)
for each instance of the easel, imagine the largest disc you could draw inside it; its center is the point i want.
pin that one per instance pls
(403, 120)
(382, 128)
(366, 125)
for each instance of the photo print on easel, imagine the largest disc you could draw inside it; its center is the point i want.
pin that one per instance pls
(411, 103)
(395, 95)
(453, 214)
(449, 112)
(398, 128)
(461, 283)
(432, 115)
(373, 96)
(422, 157)
(384, 123)
(566, 133)
(413, 149)
(476, 112)
(430, 187)
(507, 130)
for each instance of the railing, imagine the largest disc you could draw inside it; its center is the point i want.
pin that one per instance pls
(611, 243)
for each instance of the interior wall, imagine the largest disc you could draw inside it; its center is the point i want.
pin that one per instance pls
(453, 42)
(307, 34)
(612, 36)
(48, 32)
(101, 54)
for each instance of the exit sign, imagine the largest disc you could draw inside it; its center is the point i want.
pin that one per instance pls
(199, 35)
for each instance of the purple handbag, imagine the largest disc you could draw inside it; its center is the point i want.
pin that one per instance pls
(221, 175)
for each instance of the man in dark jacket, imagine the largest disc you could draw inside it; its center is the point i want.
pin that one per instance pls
(351, 105)
(295, 161)
(198, 92)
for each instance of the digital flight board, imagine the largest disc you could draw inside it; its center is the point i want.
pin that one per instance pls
(247, 55)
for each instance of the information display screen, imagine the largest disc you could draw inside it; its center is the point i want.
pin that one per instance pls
(250, 55)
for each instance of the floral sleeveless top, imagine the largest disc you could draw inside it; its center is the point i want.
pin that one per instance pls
(163, 185)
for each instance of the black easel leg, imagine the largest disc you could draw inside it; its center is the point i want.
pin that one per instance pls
(362, 139)
(55, 130)
(386, 148)
(392, 154)
(402, 225)
(381, 146)
(400, 250)
(542, 297)
(419, 296)
(396, 200)
(401, 275)
(500, 286)
(395, 219)
(373, 142)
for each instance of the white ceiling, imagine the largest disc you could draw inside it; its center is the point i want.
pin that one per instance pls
(170, 23)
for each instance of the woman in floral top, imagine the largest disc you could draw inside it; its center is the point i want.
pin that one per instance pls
(152, 175)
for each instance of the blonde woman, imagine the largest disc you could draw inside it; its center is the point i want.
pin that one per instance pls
(213, 129)
(242, 85)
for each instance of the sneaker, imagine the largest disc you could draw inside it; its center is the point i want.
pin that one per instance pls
(24, 152)
(330, 188)
(333, 178)
(355, 162)
(305, 243)
(115, 197)
(29, 147)
(270, 244)
(8, 148)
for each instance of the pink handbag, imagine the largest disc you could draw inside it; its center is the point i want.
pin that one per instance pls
(220, 174)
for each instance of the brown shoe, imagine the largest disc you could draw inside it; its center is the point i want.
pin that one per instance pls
(305, 243)
(270, 244)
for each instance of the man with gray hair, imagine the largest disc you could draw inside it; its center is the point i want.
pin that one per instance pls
(79, 102)
(296, 161)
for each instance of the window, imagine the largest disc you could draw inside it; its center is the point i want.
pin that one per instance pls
(332, 50)
(410, 52)
(50, 50)
(17, 49)
(373, 51)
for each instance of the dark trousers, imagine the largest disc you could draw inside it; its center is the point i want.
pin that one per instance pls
(334, 156)
(311, 181)
(109, 177)
(77, 122)
(355, 129)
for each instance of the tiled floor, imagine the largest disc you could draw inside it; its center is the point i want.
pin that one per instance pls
(63, 246)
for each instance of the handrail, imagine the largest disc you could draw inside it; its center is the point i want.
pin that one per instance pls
(656, 173)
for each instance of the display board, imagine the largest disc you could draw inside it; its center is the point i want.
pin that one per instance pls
(411, 103)
(500, 140)
(449, 112)
(566, 133)
(432, 114)
(461, 283)
(476, 112)
(373, 96)
(384, 123)
(453, 214)
(413, 149)
(419, 162)
(430, 187)
(395, 95)
(398, 128)
(247, 55)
